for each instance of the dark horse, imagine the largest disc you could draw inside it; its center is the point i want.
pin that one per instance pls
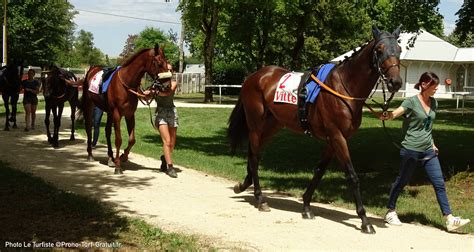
(59, 86)
(332, 118)
(121, 99)
(10, 89)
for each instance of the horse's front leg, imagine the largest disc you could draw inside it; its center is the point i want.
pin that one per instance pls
(118, 140)
(317, 175)
(341, 150)
(73, 119)
(131, 137)
(57, 124)
(14, 101)
(46, 121)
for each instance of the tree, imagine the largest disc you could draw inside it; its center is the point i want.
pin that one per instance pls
(129, 47)
(416, 15)
(85, 51)
(464, 24)
(149, 37)
(39, 31)
(203, 16)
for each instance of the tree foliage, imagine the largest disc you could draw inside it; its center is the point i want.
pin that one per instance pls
(39, 31)
(465, 24)
(150, 37)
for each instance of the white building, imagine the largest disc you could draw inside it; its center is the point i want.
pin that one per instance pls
(429, 53)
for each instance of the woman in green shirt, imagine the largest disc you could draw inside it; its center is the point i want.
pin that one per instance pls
(418, 148)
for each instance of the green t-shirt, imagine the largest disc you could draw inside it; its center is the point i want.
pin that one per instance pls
(417, 124)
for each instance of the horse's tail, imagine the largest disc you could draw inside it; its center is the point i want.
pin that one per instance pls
(238, 129)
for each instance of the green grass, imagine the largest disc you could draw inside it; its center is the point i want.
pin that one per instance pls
(289, 159)
(53, 215)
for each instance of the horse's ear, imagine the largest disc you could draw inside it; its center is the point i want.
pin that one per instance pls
(375, 31)
(396, 33)
(157, 49)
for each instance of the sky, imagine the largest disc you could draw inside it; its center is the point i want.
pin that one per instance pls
(111, 32)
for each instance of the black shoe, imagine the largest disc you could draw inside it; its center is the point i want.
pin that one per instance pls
(171, 171)
(164, 165)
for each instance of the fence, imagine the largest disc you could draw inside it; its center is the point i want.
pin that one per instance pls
(190, 83)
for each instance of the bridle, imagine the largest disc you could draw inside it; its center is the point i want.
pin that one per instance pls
(376, 63)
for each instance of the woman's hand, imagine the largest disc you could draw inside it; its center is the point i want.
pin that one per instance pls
(385, 116)
(436, 150)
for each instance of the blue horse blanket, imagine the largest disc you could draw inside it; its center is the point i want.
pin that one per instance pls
(106, 84)
(314, 88)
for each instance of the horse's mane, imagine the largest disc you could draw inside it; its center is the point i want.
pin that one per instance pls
(356, 52)
(133, 57)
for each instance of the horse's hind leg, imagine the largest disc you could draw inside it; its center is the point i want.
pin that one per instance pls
(339, 144)
(131, 138)
(6, 104)
(318, 174)
(256, 139)
(108, 133)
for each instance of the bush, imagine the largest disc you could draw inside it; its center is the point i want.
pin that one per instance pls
(228, 74)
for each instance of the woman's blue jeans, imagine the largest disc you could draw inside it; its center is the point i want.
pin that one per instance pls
(428, 160)
(97, 117)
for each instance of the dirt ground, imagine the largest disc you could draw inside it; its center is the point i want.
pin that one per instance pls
(197, 203)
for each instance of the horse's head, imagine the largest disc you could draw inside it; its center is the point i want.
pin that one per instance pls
(160, 69)
(53, 83)
(386, 57)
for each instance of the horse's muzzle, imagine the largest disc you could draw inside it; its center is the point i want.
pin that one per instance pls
(394, 84)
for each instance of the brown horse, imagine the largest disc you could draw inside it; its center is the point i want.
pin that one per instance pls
(331, 118)
(59, 86)
(121, 99)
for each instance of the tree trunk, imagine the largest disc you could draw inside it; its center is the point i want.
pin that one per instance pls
(210, 31)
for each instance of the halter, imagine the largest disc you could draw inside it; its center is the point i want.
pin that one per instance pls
(377, 61)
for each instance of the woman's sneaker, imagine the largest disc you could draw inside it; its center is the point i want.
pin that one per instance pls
(171, 171)
(392, 218)
(454, 223)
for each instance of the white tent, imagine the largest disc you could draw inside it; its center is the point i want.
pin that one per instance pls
(423, 52)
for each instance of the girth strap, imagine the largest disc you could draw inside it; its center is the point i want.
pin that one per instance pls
(302, 108)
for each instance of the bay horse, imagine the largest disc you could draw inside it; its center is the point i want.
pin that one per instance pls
(331, 118)
(59, 86)
(10, 89)
(121, 99)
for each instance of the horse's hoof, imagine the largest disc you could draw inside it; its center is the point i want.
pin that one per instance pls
(369, 229)
(14, 126)
(237, 188)
(123, 158)
(90, 158)
(50, 140)
(6, 129)
(118, 171)
(308, 215)
(110, 162)
(72, 138)
(264, 207)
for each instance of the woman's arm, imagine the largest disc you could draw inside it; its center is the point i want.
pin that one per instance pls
(392, 115)
(173, 87)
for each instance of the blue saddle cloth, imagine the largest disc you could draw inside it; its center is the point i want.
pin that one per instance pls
(106, 82)
(314, 88)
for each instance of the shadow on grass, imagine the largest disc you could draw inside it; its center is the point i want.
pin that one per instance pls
(40, 212)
